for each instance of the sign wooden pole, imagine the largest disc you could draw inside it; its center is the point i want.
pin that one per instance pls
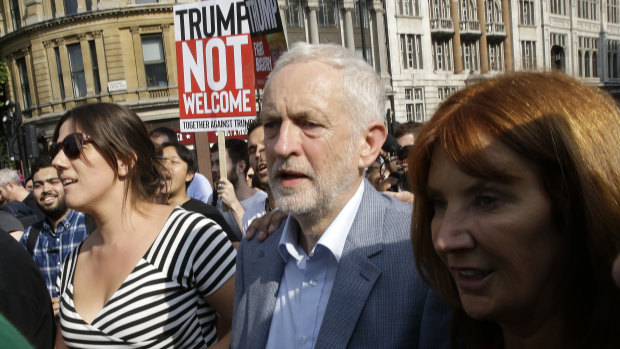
(221, 148)
(203, 155)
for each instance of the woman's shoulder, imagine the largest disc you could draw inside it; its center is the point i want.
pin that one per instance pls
(190, 223)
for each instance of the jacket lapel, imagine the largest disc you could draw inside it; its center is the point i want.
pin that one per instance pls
(266, 266)
(357, 273)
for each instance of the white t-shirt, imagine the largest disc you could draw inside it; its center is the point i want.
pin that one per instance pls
(255, 203)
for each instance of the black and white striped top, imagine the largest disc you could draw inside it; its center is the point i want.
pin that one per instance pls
(161, 303)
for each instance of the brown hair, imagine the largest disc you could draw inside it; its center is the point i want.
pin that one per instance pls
(119, 134)
(570, 134)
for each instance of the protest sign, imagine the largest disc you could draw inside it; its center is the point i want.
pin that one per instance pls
(268, 38)
(215, 66)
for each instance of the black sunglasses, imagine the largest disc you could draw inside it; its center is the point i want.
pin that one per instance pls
(71, 145)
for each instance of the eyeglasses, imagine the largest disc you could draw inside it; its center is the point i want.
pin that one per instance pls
(71, 145)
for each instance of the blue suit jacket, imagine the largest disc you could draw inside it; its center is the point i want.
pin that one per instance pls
(378, 299)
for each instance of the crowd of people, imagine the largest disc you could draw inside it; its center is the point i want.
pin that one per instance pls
(496, 224)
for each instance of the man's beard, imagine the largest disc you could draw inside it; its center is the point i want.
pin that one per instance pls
(232, 177)
(56, 211)
(313, 201)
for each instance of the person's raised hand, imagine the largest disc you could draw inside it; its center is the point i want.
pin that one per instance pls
(265, 225)
(226, 193)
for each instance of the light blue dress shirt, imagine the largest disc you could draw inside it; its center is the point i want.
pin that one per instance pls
(308, 280)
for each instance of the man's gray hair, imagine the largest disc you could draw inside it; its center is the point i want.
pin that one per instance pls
(9, 176)
(361, 86)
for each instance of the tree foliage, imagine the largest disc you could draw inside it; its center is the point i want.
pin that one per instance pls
(4, 76)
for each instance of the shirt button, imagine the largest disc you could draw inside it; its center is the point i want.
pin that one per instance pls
(313, 283)
(304, 340)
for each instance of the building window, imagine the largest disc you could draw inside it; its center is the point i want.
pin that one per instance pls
(356, 14)
(327, 15)
(95, 64)
(408, 7)
(414, 104)
(61, 81)
(154, 61)
(558, 7)
(528, 54)
(558, 57)
(612, 11)
(526, 8)
(445, 92)
(442, 54)
(410, 47)
(587, 9)
(23, 81)
(440, 9)
(77, 70)
(588, 57)
(70, 7)
(468, 11)
(493, 11)
(496, 56)
(360, 53)
(15, 14)
(613, 47)
(294, 13)
(470, 55)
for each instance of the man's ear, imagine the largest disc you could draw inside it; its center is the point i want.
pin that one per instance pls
(240, 168)
(372, 142)
(189, 176)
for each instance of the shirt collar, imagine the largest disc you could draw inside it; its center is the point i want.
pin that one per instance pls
(333, 239)
(65, 223)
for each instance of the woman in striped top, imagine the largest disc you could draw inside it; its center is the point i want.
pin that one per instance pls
(150, 276)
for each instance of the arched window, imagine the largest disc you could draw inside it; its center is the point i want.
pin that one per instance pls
(557, 58)
(493, 11)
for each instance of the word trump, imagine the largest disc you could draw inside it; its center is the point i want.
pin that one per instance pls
(199, 21)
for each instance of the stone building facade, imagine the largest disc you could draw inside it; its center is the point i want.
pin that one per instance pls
(63, 53)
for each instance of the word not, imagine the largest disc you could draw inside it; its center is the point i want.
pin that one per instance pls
(194, 66)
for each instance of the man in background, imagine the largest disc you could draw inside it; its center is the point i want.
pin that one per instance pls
(406, 133)
(51, 239)
(258, 163)
(199, 188)
(234, 192)
(19, 201)
(181, 165)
